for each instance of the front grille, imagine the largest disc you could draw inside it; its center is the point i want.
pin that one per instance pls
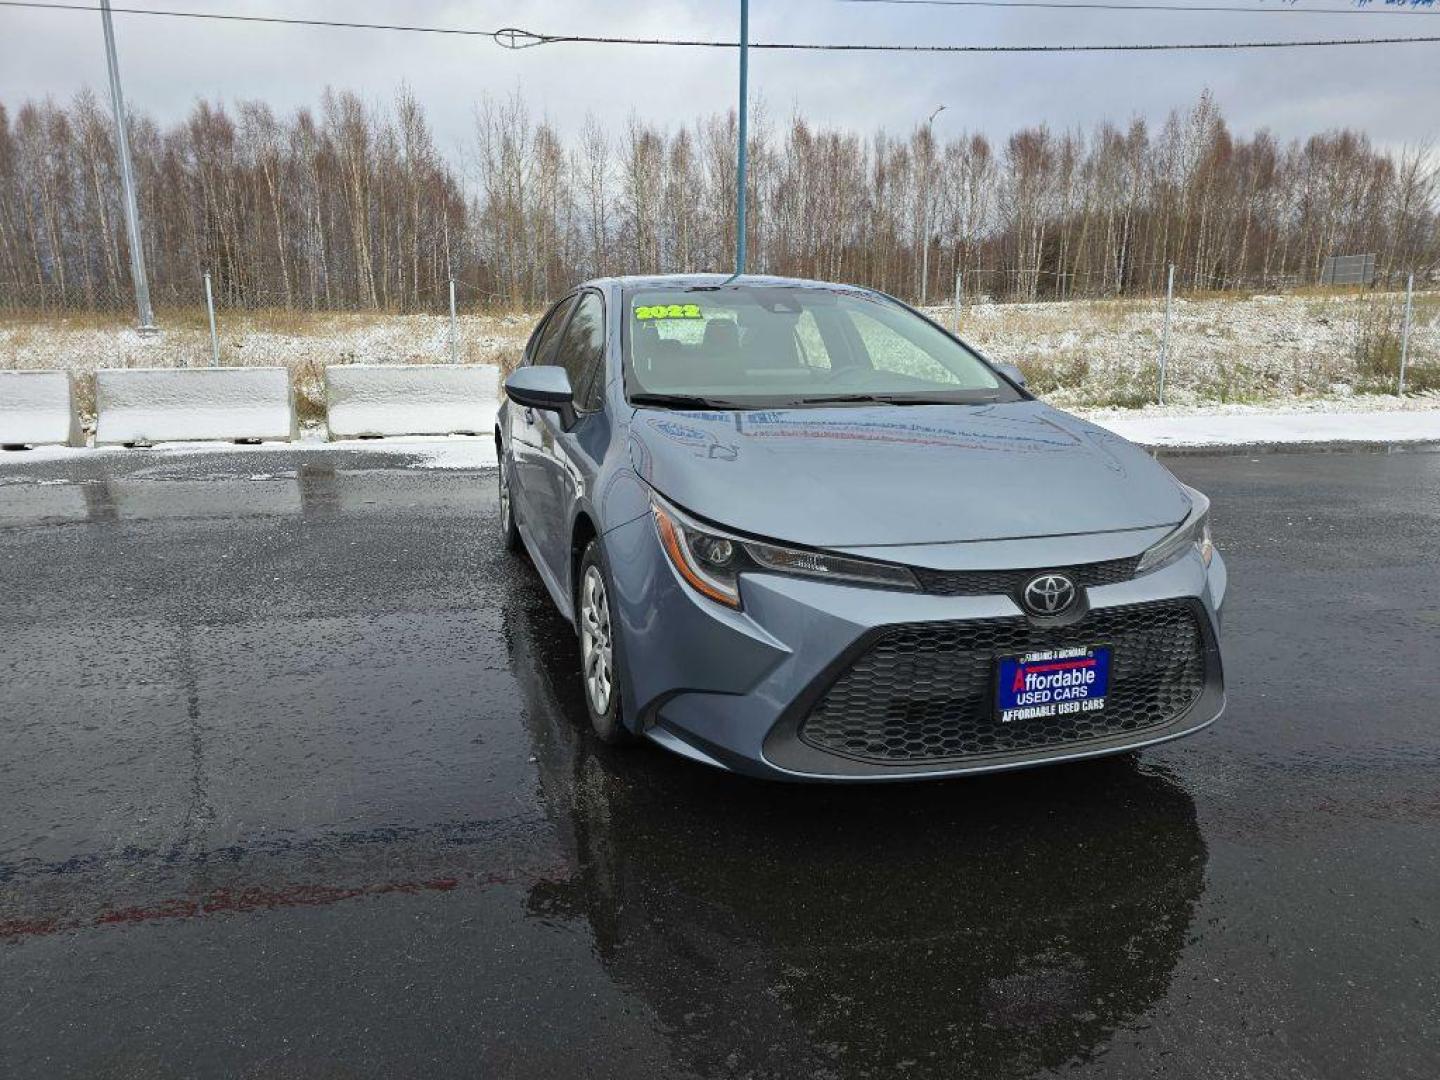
(1009, 582)
(925, 691)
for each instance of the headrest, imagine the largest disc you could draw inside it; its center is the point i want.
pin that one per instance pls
(722, 335)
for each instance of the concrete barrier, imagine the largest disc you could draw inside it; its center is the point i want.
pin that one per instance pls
(410, 399)
(149, 405)
(37, 408)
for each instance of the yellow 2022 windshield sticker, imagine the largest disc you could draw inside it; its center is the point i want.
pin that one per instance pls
(668, 311)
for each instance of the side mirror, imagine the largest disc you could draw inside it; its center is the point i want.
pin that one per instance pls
(1013, 373)
(544, 387)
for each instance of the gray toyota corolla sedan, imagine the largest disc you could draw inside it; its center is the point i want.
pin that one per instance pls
(804, 533)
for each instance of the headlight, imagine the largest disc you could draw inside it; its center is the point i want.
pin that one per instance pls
(711, 561)
(1194, 531)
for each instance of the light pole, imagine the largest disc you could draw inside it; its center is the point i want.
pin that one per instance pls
(127, 179)
(741, 153)
(925, 213)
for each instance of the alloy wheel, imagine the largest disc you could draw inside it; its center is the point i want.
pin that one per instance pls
(596, 648)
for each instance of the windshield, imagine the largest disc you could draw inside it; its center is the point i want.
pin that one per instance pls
(769, 346)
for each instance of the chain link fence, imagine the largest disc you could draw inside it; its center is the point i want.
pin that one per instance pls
(1223, 348)
(1232, 347)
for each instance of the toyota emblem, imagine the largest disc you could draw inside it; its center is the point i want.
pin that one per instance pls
(1049, 594)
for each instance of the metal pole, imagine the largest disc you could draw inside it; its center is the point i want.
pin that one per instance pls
(924, 240)
(742, 154)
(454, 341)
(214, 338)
(1405, 332)
(127, 179)
(925, 216)
(1165, 333)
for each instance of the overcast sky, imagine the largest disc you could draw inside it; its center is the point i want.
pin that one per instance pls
(1390, 92)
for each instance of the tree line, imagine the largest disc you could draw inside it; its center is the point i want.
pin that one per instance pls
(351, 206)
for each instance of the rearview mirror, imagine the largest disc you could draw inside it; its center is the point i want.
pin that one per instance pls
(1013, 373)
(544, 387)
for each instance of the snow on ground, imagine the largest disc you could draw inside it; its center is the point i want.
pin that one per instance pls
(1230, 357)
(1370, 418)
(264, 339)
(303, 343)
(1262, 349)
(1077, 354)
(1220, 429)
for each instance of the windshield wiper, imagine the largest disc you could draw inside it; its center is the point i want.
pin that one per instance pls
(897, 399)
(685, 401)
(695, 401)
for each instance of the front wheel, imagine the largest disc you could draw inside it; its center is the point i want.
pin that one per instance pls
(509, 531)
(599, 658)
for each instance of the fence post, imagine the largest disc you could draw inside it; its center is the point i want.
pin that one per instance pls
(1165, 333)
(1405, 334)
(214, 337)
(454, 344)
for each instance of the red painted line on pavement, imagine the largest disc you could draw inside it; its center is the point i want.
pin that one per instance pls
(258, 898)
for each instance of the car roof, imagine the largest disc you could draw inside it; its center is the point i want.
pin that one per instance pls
(672, 281)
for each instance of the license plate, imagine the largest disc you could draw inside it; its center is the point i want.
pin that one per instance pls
(1052, 682)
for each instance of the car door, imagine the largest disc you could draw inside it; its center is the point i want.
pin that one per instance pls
(522, 427)
(568, 458)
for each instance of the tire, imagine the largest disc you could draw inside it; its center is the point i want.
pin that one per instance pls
(509, 531)
(600, 660)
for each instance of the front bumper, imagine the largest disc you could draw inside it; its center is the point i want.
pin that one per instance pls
(734, 689)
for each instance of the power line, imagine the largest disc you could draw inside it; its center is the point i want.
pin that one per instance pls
(1083, 5)
(1209, 46)
(220, 16)
(515, 38)
(524, 39)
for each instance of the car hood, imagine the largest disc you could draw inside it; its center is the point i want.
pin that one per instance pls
(915, 474)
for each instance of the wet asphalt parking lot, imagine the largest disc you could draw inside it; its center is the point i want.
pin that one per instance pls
(294, 782)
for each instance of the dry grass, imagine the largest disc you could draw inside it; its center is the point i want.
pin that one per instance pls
(304, 342)
(1059, 317)
(1378, 345)
(1219, 294)
(1329, 292)
(1264, 348)
(1316, 344)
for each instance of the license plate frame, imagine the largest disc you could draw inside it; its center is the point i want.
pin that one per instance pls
(1048, 684)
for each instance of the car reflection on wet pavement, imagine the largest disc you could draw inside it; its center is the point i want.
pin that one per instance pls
(993, 928)
(296, 781)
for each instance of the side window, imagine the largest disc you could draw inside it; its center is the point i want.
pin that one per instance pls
(542, 346)
(582, 352)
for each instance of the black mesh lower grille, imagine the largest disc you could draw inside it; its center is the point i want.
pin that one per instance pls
(925, 691)
(1008, 582)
